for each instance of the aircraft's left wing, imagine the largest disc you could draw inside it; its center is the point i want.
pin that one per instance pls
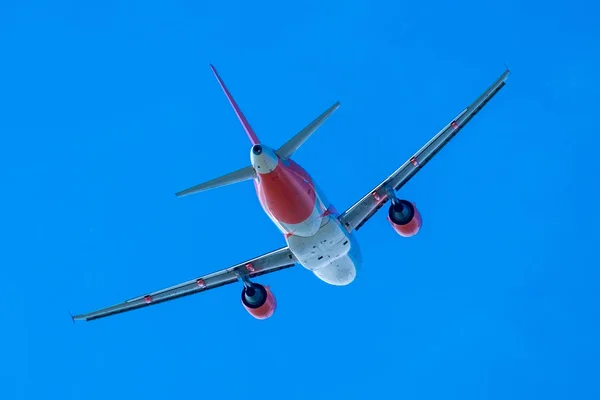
(267, 263)
(365, 208)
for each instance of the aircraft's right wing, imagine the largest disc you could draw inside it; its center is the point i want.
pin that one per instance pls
(365, 208)
(267, 263)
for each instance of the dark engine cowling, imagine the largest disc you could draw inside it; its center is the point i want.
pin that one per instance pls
(405, 218)
(259, 301)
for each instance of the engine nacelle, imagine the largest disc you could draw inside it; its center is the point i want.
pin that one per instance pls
(405, 218)
(259, 301)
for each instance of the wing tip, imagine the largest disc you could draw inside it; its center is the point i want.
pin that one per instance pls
(74, 317)
(80, 317)
(507, 71)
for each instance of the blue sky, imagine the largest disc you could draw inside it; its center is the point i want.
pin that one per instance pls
(108, 108)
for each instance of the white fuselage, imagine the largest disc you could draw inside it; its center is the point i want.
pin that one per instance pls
(332, 253)
(306, 218)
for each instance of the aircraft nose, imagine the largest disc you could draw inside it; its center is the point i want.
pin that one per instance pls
(257, 149)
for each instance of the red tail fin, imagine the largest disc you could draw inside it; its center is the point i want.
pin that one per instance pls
(249, 131)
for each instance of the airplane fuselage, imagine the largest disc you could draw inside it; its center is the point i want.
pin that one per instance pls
(306, 218)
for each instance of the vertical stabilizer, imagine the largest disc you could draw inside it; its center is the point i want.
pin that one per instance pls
(249, 131)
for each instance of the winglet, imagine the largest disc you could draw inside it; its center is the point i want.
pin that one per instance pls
(72, 317)
(508, 69)
(249, 131)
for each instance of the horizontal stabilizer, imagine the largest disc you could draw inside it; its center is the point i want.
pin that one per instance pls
(240, 175)
(294, 143)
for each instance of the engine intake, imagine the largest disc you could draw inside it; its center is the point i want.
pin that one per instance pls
(259, 301)
(405, 218)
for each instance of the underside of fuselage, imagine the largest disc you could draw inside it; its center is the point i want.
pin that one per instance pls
(302, 213)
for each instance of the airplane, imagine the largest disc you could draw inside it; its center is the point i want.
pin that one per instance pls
(317, 237)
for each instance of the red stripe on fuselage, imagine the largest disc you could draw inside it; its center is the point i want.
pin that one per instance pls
(287, 192)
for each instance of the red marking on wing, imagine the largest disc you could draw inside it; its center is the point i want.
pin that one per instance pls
(200, 282)
(454, 124)
(329, 211)
(414, 161)
(148, 299)
(288, 193)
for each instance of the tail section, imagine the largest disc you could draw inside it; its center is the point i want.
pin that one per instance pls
(240, 175)
(249, 131)
(248, 173)
(294, 143)
(243, 174)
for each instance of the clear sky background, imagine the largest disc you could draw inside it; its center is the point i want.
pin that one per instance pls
(108, 108)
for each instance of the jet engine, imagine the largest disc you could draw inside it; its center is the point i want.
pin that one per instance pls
(258, 301)
(404, 218)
